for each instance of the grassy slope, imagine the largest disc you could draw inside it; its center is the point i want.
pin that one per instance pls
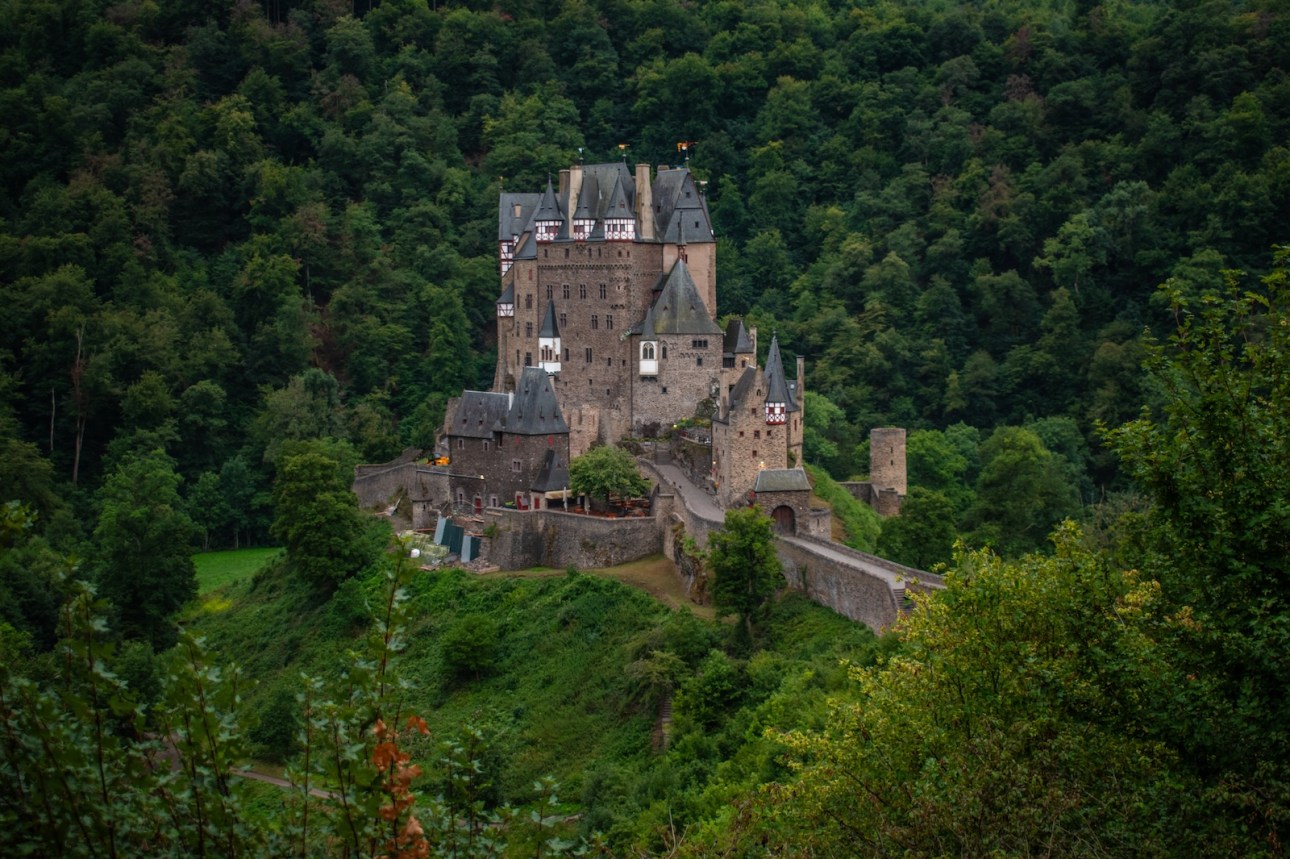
(860, 524)
(559, 697)
(216, 569)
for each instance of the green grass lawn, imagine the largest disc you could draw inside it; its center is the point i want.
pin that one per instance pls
(215, 569)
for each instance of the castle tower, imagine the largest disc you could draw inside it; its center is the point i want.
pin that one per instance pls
(887, 459)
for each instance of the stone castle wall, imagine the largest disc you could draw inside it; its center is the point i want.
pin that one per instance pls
(552, 538)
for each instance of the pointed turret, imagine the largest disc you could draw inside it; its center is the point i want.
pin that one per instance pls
(506, 304)
(779, 399)
(549, 342)
(620, 222)
(547, 219)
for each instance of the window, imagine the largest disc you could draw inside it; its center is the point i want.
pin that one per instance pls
(700, 344)
(698, 362)
(602, 292)
(548, 291)
(595, 322)
(564, 320)
(487, 445)
(461, 496)
(492, 501)
(609, 321)
(528, 359)
(756, 433)
(647, 351)
(565, 291)
(528, 301)
(528, 329)
(461, 444)
(588, 359)
(566, 250)
(665, 389)
(515, 465)
(566, 353)
(582, 291)
(665, 351)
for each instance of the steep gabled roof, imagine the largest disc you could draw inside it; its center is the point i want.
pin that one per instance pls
(680, 210)
(737, 341)
(548, 208)
(678, 308)
(508, 295)
(476, 414)
(777, 389)
(743, 389)
(618, 204)
(553, 476)
(509, 224)
(549, 328)
(534, 410)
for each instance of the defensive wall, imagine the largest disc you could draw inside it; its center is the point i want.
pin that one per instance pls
(857, 585)
(677, 522)
(517, 539)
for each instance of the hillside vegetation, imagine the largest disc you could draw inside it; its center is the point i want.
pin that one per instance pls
(244, 246)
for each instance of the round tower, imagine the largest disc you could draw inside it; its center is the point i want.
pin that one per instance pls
(887, 459)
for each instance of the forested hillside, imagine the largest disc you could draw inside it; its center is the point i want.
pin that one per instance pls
(228, 224)
(246, 245)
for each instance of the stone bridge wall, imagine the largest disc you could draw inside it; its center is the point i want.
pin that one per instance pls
(849, 591)
(379, 485)
(678, 522)
(517, 539)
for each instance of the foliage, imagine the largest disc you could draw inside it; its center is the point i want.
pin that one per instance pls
(860, 524)
(606, 471)
(327, 538)
(1021, 492)
(745, 567)
(216, 569)
(1211, 462)
(1027, 700)
(923, 535)
(145, 543)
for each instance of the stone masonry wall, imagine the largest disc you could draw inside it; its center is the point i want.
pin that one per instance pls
(553, 538)
(866, 599)
(379, 485)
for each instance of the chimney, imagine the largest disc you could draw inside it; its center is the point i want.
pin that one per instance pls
(752, 336)
(644, 203)
(575, 187)
(564, 183)
(801, 378)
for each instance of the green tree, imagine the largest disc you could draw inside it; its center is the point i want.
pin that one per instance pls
(144, 543)
(746, 569)
(1023, 490)
(606, 471)
(923, 534)
(1214, 463)
(316, 515)
(1022, 704)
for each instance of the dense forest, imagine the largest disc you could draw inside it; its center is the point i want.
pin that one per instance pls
(246, 245)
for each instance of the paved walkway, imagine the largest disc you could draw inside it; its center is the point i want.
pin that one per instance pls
(893, 580)
(699, 502)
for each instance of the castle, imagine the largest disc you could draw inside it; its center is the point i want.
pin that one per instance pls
(606, 329)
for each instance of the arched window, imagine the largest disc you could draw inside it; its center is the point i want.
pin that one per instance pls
(647, 351)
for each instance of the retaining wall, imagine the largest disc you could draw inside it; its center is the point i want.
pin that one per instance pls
(850, 592)
(517, 539)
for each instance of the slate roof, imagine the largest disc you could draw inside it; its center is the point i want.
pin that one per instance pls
(678, 308)
(510, 225)
(508, 295)
(777, 387)
(549, 328)
(534, 410)
(680, 210)
(553, 476)
(781, 480)
(737, 341)
(477, 413)
(548, 208)
(742, 389)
